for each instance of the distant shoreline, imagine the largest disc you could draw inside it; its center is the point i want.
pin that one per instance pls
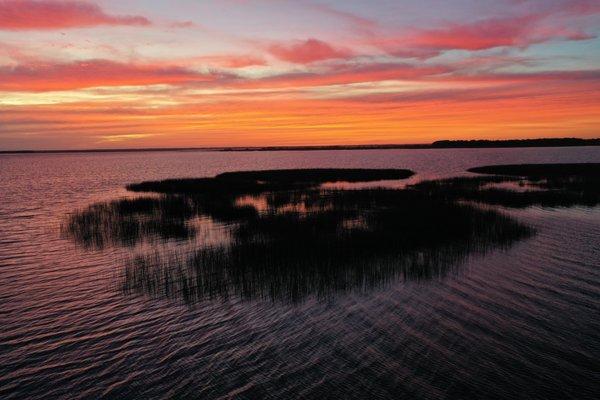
(441, 144)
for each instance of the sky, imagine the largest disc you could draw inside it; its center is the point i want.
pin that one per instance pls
(79, 74)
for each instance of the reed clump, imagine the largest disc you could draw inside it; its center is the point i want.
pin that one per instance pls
(289, 238)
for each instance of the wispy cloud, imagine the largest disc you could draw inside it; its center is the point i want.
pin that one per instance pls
(344, 74)
(94, 73)
(485, 34)
(59, 14)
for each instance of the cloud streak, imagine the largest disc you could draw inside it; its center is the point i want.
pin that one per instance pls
(519, 32)
(94, 73)
(345, 74)
(17, 15)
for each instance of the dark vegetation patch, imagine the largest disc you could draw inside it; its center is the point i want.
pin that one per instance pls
(559, 193)
(247, 182)
(288, 238)
(542, 142)
(552, 185)
(353, 240)
(316, 175)
(126, 222)
(541, 171)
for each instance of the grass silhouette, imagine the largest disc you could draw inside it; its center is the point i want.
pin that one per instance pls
(289, 238)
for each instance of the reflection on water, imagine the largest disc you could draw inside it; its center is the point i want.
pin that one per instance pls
(519, 323)
(288, 243)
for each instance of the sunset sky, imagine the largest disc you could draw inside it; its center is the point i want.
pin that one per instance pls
(157, 73)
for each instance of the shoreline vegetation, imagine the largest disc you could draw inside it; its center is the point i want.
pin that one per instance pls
(440, 144)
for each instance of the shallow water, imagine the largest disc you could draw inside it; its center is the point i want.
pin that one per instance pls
(515, 323)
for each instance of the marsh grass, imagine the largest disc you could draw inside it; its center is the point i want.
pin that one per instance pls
(554, 185)
(287, 256)
(289, 238)
(291, 271)
(126, 222)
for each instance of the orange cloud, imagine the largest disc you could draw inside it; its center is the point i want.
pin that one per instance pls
(308, 51)
(58, 14)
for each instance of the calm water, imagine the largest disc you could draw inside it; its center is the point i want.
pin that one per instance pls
(523, 322)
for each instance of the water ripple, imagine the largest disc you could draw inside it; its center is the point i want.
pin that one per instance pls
(516, 323)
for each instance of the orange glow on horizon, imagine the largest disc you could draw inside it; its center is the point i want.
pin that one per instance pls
(302, 122)
(140, 76)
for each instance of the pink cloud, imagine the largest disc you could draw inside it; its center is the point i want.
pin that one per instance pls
(39, 76)
(480, 35)
(94, 73)
(475, 36)
(57, 14)
(308, 51)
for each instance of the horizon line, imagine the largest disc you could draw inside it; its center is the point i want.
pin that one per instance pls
(438, 144)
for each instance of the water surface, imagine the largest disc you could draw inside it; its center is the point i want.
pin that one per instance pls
(520, 322)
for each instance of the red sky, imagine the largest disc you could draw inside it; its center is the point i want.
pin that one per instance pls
(99, 74)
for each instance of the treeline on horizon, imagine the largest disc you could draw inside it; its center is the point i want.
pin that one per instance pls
(439, 144)
(546, 142)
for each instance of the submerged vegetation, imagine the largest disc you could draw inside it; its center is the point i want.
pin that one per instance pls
(285, 237)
